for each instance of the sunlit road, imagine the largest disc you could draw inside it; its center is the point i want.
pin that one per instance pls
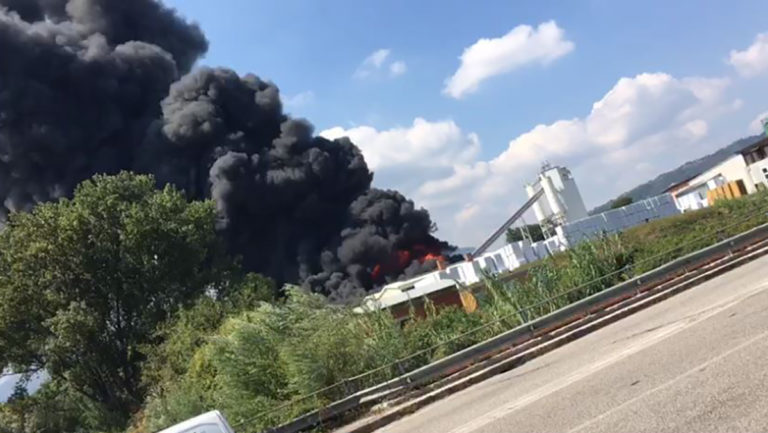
(697, 362)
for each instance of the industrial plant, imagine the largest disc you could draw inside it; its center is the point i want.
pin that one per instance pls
(559, 208)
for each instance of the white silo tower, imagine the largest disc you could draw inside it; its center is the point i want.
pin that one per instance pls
(562, 200)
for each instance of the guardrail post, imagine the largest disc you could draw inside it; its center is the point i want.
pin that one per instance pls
(319, 411)
(402, 371)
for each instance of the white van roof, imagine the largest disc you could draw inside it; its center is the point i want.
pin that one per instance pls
(213, 418)
(394, 295)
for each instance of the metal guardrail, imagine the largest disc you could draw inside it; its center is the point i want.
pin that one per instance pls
(488, 348)
(587, 305)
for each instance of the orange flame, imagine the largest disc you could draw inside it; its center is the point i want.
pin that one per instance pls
(401, 259)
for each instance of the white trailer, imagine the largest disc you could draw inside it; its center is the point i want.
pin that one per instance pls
(211, 422)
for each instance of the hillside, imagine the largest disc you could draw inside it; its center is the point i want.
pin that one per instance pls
(681, 173)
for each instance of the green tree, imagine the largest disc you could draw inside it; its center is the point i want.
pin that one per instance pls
(55, 408)
(84, 283)
(192, 327)
(622, 201)
(515, 234)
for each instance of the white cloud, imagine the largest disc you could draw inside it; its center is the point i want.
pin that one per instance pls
(404, 158)
(695, 129)
(300, 99)
(397, 68)
(522, 46)
(467, 213)
(422, 144)
(642, 124)
(754, 60)
(377, 58)
(756, 125)
(378, 61)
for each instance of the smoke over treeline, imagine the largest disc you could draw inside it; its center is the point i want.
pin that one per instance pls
(99, 86)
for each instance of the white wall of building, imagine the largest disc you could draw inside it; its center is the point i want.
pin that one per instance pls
(733, 169)
(759, 172)
(693, 200)
(505, 259)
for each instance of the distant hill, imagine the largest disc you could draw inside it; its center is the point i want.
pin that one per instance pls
(685, 171)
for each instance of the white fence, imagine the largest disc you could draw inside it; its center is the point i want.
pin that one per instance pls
(616, 220)
(512, 256)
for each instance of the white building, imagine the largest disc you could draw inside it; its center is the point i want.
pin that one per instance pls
(756, 158)
(693, 194)
(748, 168)
(693, 198)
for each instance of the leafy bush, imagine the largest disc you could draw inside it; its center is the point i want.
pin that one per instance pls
(621, 202)
(515, 234)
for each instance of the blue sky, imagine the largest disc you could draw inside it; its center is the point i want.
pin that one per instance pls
(675, 80)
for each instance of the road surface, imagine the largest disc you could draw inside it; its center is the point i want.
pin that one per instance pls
(697, 362)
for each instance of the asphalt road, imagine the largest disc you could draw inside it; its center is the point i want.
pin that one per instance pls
(697, 362)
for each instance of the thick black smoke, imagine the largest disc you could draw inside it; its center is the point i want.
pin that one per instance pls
(96, 86)
(77, 95)
(384, 235)
(121, 21)
(28, 10)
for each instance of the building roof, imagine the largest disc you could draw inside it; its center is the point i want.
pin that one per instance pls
(682, 183)
(199, 423)
(395, 295)
(750, 148)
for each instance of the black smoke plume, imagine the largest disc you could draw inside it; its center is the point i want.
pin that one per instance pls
(77, 94)
(98, 86)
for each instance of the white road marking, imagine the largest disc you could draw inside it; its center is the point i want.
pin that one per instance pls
(643, 343)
